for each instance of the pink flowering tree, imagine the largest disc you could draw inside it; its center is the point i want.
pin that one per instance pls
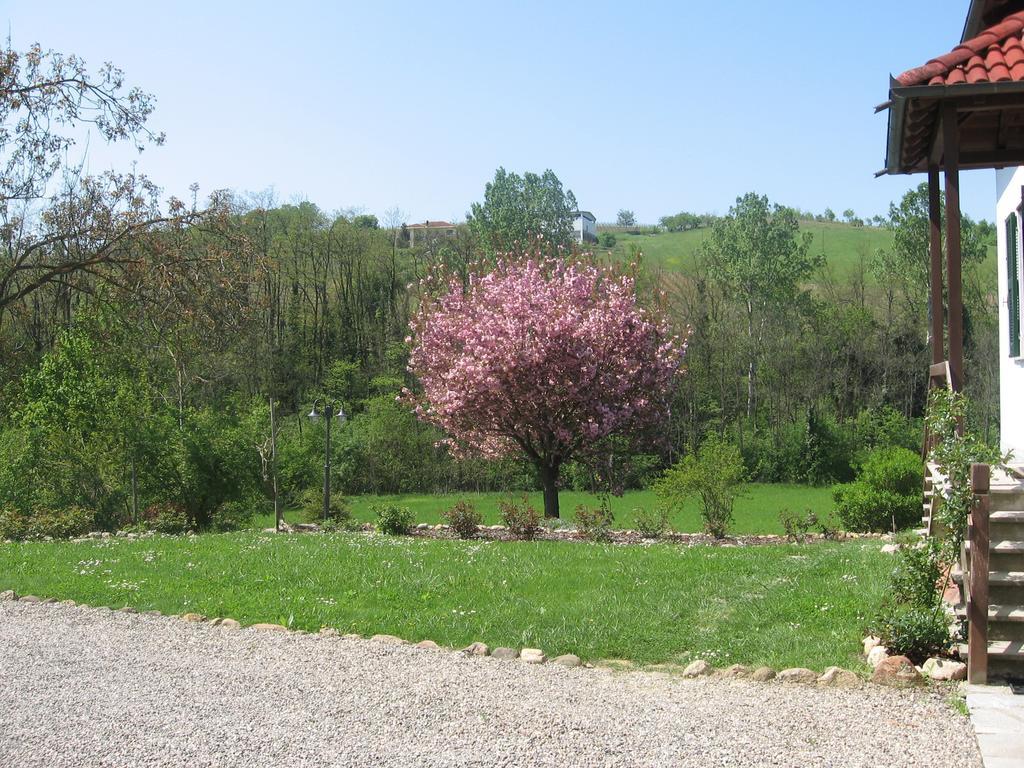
(540, 357)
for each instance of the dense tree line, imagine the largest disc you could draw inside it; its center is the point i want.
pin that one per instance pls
(142, 341)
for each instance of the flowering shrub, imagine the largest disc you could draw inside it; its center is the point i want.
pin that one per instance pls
(539, 356)
(464, 519)
(651, 523)
(523, 521)
(595, 523)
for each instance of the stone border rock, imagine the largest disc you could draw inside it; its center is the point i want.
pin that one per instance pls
(898, 674)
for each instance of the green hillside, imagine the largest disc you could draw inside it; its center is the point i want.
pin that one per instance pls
(845, 248)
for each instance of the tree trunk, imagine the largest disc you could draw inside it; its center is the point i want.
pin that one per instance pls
(549, 482)
(751, 363)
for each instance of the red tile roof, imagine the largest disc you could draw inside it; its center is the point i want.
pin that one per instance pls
(996, 55)
(430, 225)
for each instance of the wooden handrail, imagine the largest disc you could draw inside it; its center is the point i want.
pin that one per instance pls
(977, 592)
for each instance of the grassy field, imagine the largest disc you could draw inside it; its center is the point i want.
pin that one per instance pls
(757, 511)
(845, 248)
(784, 605)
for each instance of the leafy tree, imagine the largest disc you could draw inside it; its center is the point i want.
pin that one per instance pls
(829, 215)
(849, 214)
(366, 221)
(713, 474)
(682, 222)
(517, 208)
(540, 357)
(907, 264)
(625, 218)
(759, 256)
(88, 224)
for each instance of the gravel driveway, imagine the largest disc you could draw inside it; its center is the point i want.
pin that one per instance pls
(87, 687)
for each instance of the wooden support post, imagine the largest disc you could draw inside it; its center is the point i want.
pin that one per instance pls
(935, 251)
(977, 594)
(951, 158)
(278, 519)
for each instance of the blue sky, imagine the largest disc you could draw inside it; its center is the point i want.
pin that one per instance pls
(653, 106)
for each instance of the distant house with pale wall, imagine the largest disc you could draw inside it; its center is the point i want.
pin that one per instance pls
(585, 226)
(430, 229)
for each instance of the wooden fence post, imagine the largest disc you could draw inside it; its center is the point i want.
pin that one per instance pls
(977, 594)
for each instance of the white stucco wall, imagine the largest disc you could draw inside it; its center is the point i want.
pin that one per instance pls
(1009, 184)
(586, 229)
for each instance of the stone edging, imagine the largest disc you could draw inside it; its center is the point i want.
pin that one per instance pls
(617, 536)
(833, 677)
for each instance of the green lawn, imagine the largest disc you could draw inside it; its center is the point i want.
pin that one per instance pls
(757, 511)
(784, 605)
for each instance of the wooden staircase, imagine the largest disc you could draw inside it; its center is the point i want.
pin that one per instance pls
(998, 521)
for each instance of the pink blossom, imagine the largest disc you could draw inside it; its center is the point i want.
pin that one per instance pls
(540, 356)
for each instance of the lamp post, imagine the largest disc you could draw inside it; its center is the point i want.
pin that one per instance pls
(328, 414)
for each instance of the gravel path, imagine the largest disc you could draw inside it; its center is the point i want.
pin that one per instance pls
(88, 687)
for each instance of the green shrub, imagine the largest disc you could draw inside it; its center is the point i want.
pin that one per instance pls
(233, 516)
(886, 495)
(915, 578)
(523, 522)
(912, 620)
(13, 525)
(339, 513)
(393, 519)
(955, 450)
(797, 526)
(914, 631)
(894, 469)
(44, 522)
(713, 474)
(863, 508)
(166, 517)
(464, 519)
(815, 450)
(594, 523)
(606, 240)
(651, 523)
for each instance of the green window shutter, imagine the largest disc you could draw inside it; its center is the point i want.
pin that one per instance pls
(1013, 284)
